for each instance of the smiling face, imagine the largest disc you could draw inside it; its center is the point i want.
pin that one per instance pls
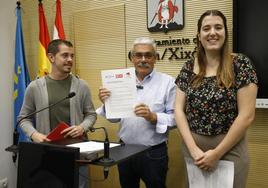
(212, 33)
(62, 61)
(143, 58)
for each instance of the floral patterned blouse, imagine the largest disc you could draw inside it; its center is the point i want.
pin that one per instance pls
(211, 110)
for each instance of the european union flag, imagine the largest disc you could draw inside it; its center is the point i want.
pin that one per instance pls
(21, 75)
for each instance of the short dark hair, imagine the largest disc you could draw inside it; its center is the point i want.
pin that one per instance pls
(53, 46)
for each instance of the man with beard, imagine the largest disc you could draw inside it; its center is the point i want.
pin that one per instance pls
(78, 112)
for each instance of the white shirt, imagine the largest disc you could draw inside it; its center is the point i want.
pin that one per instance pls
(158, 93)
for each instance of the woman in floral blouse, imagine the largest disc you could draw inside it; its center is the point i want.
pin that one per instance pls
(215, 101)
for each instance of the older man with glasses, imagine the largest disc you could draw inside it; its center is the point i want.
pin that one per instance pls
(154, 114)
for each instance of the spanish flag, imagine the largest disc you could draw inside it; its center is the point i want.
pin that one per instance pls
(58, 27)
(44, 64)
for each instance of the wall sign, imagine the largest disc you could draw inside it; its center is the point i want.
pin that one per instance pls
(165, 15)
(174, 49)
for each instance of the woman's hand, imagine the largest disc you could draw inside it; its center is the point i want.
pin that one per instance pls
(197, 154)
(208, 161)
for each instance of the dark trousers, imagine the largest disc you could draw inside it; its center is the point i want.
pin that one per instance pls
(150, 166)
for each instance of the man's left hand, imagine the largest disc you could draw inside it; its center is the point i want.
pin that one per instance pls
(73, 131)
(142, 110)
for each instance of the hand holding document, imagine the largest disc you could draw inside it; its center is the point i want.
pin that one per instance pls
(122, 85)
(221, 177)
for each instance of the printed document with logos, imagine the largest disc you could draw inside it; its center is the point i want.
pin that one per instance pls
(122, 85)
(221, 177)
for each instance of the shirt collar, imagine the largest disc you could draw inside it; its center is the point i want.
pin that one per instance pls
(148, 77)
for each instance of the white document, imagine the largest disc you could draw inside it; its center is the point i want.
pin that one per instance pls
(91, 146)
(122, 84)
(221, 177)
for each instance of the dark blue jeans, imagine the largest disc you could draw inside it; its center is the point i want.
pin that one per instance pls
(150, 166)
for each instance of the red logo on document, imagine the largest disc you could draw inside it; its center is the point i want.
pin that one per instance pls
(128, 75)
(119, 76)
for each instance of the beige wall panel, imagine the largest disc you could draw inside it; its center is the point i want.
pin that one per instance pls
(258, 151)
(106, 47)
(99, 48)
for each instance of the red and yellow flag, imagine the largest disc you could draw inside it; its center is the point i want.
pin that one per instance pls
(58, 26)
(44, 64)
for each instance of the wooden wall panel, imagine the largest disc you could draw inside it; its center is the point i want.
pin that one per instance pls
(99, 48)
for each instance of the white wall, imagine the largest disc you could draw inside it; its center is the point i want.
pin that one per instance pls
(7, 43)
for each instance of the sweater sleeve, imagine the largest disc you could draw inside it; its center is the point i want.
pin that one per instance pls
(28, 107)
(89, 113)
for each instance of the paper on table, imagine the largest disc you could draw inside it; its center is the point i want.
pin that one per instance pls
(91, 146)
(122, 84)
(221, 177)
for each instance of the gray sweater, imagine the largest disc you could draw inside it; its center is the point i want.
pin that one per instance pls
(82, 111)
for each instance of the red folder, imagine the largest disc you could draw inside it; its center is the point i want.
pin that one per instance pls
(55, 135)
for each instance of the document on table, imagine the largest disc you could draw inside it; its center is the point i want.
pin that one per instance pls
(122, 84)
(91, 146)
(221, 177)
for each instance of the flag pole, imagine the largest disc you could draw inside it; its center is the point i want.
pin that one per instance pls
(58, 32)
(18, 4)
(44, 39)
(21, 78)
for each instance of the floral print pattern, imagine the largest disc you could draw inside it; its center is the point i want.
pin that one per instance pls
(211, 110)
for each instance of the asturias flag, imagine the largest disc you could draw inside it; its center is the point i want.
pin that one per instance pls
(58, 27)
(44, 64)
(21, 75)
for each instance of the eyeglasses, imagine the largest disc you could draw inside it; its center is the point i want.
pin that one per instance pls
(146, 55)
